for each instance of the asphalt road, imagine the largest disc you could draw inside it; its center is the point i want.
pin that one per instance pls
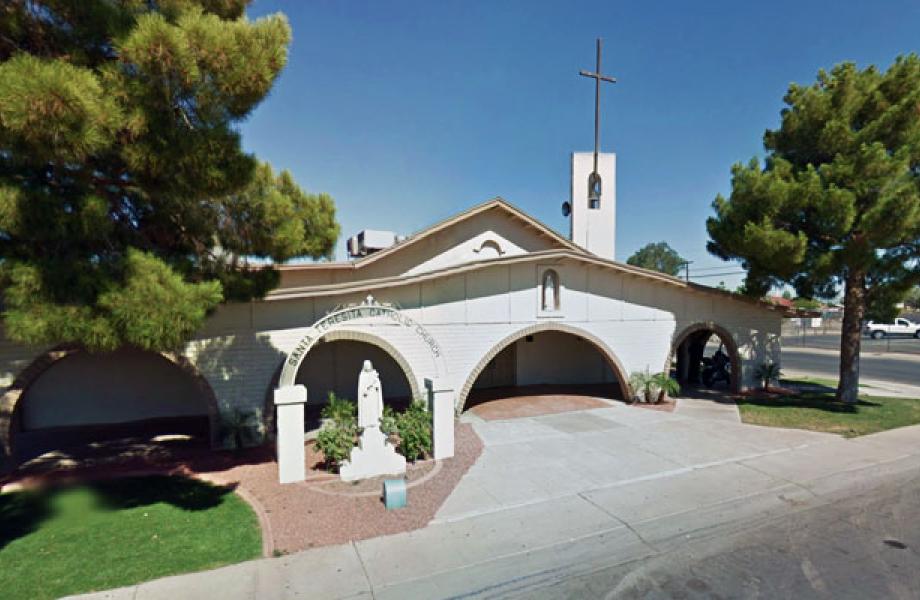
(866, 546)
(831, 341)
(885, 367)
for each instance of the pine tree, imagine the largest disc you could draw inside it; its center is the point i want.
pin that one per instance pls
(128, 209)
(837, 202)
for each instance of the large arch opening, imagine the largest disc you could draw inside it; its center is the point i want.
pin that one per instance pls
(705, 357)
(545, 368)
(332, 367)
(70, 406)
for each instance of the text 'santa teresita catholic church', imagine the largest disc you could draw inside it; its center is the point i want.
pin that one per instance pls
(489, 299)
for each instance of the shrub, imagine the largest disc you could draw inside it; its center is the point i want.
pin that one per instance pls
(389, 424)
(339, 432)
(335, 443)
(410, 430)
(341, 410)
(413, 427)
(666, 385)
(643, 384)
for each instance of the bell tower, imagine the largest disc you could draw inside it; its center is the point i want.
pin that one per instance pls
(594, 207)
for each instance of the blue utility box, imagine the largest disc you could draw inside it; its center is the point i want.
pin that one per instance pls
(394, 493)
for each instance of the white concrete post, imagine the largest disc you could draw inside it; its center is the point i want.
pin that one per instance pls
(292, 461)
(441, 405)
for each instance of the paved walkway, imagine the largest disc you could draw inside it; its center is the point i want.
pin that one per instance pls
(708, 408)
(566, 493)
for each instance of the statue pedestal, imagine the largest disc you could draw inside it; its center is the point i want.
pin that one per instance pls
(373, 456)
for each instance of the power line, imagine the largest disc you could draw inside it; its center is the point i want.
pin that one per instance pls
(712, 268)
(718, 274)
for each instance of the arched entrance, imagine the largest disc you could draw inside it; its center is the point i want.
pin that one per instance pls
(698, 344)
(332, 366)
(68, 400)
(546, 359)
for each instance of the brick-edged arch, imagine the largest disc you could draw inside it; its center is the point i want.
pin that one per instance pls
(613, 362)
(727, 339)
(10, 401)
(351, 335)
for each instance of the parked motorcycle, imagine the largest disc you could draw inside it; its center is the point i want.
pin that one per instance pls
(716, 368)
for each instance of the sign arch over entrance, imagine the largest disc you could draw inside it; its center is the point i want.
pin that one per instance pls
(338, 318)
(345, 334)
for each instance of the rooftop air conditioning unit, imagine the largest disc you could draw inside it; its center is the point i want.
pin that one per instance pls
(370, 241)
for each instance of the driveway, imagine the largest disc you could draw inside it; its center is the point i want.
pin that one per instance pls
(557, 497)
(535, 459)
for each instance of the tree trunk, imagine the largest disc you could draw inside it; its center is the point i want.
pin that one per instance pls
(854, 307)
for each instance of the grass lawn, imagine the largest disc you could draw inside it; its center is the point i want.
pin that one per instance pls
(113, 533)
(817, 410)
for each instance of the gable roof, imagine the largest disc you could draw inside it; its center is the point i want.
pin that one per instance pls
(365, 285)
(566, 250)
(497, 203)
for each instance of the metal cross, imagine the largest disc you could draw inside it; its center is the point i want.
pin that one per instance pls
(597, 76)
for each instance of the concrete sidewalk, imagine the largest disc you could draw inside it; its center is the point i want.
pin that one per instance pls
(563, 494)
(708, 408)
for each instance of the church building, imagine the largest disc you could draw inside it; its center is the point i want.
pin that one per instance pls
(488, 299)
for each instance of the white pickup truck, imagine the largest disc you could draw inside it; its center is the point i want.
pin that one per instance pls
(900, 327)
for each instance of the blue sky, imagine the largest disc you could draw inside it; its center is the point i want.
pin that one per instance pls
(408, 112)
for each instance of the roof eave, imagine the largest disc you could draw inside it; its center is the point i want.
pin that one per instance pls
(364, 285)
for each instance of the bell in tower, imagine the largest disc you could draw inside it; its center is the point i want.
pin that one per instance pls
(593, 208)
(594, 190)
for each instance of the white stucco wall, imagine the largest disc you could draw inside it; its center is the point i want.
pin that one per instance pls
(483, 246)
(241, 348)
(557, 358)
(118, 387)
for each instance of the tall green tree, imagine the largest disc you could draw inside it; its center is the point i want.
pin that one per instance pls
(128, 210)
(658, 257)
(837, 202)
(912, 299)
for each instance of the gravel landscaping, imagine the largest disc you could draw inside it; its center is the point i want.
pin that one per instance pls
(324, 510)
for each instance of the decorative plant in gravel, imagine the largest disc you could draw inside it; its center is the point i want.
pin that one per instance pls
(389, 424)
(643, 385)
(414, 426)
(410, 430)
(666, 386)
(339, 432)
